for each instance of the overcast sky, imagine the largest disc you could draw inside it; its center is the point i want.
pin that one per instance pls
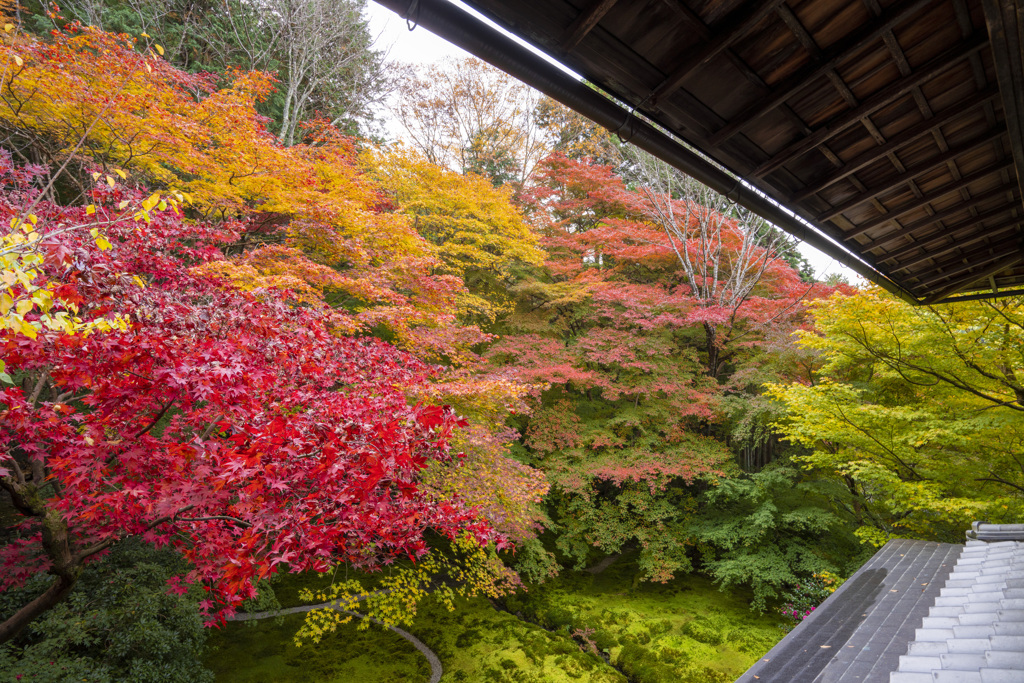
(423, 47)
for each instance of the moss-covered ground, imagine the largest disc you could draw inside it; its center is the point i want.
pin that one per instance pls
(685, 631)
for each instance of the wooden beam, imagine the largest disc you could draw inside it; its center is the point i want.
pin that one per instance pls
(1013, 223)
(735, 25)
(928, 199)
(976, 258)
(830, 58)
(584, 24)
(897, 89)
(1005, 20)
(889, 237)
(985, 295)
(903, 178)
(966, 281)
(697, 25)
(902, 139)
(947, 232)
(691, 18)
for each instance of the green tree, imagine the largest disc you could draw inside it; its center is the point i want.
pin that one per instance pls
(120, 623)
(919, 410)
(770, 530)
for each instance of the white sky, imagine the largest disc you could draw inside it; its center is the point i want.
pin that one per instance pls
(420, 46)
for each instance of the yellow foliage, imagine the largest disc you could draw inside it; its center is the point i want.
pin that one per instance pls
(467, 571)
(477, 232)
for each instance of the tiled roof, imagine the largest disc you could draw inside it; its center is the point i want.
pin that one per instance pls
(975, 631)
(917, 612)
(861, 630)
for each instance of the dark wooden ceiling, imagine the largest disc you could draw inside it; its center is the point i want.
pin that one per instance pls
(884, 124)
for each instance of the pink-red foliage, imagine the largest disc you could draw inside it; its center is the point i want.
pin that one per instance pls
(230, 424)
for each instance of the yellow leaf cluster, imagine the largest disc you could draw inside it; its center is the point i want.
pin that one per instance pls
(467, 570)
(477, 232)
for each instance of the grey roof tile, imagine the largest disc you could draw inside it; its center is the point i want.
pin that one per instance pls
(916, 612)
(987, 606)
(960, 662)
(943, 622)
(1005, 660)
(976, 619)
(921, 648)
(909, 677)
(1002, 676)
(956, 677)
(1008, 643)
(986, 631)
(952, 601)
(866, 623)
(968, 645)
(919, 663)
(935, 635)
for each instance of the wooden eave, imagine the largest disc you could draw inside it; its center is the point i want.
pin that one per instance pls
(896, 128)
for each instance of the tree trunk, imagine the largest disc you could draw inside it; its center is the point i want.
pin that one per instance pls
(711, 344)
(50, 597)
(65, 566)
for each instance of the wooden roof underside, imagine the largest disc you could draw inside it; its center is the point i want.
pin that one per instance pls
(883, 123)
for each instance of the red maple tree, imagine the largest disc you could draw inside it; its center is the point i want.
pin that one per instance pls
(236, 426)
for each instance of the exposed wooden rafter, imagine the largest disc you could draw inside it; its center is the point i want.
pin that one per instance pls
(902, 179)
(829, 60)
(899, 256)
(584, 24)
(972, 259)
(890, 125)
(1005, 19)
(891, 236)
(693, 20)
(732, 28)
(943, 191)
(965, 281)
(899, 88)
(903, 139)
(991, 232)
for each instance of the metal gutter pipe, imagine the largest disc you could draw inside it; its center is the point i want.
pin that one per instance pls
(462, 29)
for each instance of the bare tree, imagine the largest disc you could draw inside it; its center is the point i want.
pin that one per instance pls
(723, 249)
(468, 116)
(322, 51)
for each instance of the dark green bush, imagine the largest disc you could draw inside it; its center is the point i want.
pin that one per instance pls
(118, 624)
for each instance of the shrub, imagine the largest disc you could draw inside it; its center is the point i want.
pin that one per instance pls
(805, 598)
(118, 624)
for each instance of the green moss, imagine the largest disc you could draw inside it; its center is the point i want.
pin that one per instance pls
(702, 630)
(685, 631)
(265, 653)
(682, 630)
